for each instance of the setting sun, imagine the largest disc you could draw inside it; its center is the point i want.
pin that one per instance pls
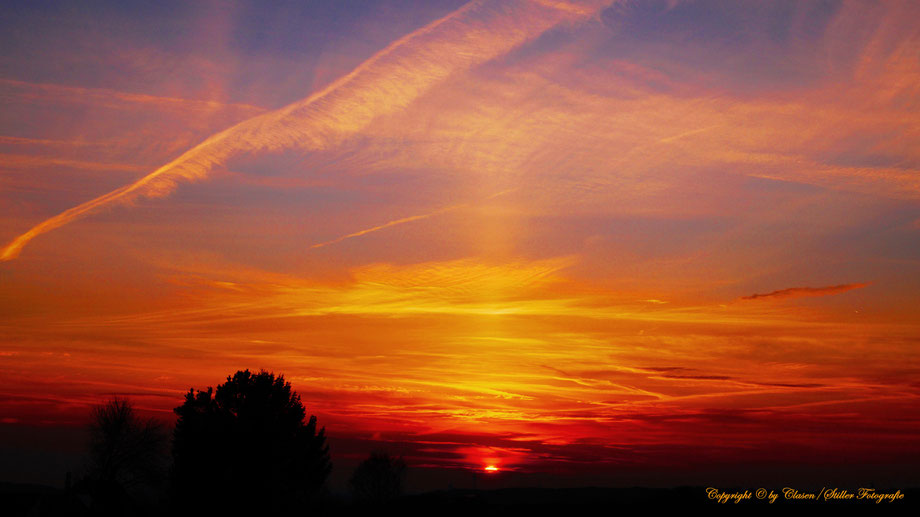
(491, 469)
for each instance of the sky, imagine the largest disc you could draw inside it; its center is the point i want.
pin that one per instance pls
(584, 242)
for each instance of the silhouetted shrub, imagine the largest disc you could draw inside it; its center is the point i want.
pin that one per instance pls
(245, 448)
(379, 478)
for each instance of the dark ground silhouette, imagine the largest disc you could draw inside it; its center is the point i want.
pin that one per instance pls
(378, 479)
(248, 448)
(40, 500)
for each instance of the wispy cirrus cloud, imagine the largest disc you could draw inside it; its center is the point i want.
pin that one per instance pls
(27, 162)
(387, 82)
(45, 93)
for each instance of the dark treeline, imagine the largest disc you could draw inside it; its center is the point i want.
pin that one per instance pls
(246, 447)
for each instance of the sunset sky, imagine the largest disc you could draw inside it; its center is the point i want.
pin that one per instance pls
(603, 241)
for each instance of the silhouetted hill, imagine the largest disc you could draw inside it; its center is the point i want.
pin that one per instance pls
(26, 499)
(556, 498)
(581, 500)
(21, 499)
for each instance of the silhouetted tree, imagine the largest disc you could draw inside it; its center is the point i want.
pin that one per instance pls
(379, 478)
(245, 447)
(126, 457)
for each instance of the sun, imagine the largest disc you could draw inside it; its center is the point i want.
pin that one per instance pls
(491, 469)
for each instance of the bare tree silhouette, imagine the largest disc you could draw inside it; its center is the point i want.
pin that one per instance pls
(379, 478)
(245, 447)
(126, 455)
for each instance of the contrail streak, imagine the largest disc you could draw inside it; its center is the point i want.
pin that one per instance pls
(385, 225)
(387, 82)
(403, 221)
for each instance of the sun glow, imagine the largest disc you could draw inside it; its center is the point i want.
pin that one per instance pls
(491, 469)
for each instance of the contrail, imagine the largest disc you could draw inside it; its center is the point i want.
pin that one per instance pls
(404, 220)
(686, 134)
(386, 225)
(387, 82)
